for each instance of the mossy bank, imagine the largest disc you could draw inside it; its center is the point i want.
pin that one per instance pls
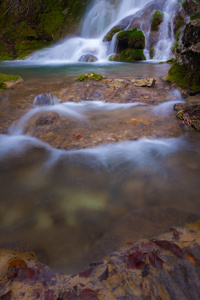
(26, 26)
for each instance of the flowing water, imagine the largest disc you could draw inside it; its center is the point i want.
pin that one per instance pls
(102, 16)
(61, 203)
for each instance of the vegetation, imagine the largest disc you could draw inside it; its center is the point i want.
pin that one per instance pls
(152, 52)
(114, 57)
(108, 37)
(29, 25)
(195, 16)
(183, 77)
(134, 39)
(179, 22)
(91, 76)
(131, 55)
(5, 77)
(156, 20)
(190, 6)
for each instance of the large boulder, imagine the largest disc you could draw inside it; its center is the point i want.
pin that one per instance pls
(191, 34)
(133, 39)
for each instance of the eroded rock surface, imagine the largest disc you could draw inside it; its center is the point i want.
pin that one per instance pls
(165, 267)
(59, 127)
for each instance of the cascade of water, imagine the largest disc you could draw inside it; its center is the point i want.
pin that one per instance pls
(103, 15)
(163, 49)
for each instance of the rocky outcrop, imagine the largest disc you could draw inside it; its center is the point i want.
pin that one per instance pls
(190, 55)
(165, 267)
(192, 33)
(185, 72)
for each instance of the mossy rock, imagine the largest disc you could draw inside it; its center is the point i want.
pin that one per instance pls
(183, 77)
(179, 22)
(156, 20)
(152, 52)
(51, 23)
(131, 55)
(91, 76)
(108, 37)
(114, 57)
(7, 78)
(190, 7)
(195, 16)
(133, 39)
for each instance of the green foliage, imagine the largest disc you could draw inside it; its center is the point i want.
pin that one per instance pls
(183, 77)
(131, 55)
(91, 76)
(132, 38)
(195, 16)
(5, 77)
(36, 23)
(156, 20)
(51, 23)
(108, 37)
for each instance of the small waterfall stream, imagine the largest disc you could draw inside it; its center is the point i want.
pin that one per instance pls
(101, 17)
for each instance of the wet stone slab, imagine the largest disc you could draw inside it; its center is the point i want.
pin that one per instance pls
(76, 127)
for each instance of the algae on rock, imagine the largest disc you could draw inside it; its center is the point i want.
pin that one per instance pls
(91, 76)
(156, 20)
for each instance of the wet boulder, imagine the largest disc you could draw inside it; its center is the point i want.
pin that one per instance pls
(131, 55)
(156, 20)
(108, 37)
(88, 58)
(132, 39)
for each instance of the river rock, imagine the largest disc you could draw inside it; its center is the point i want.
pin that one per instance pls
(13, 83)
(149, 82)
(88, 58)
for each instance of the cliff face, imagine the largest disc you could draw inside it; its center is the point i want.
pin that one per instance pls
(186, 72)
(26, 26)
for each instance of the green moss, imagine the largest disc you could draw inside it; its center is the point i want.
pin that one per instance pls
(114, 57)
(190, 7)
(171, 60)
(195, 16)
(131, 55)
(108, 37)
(156, 20)
(51, 23)
(44, 21)
(91, 76)
(178, 22)
(183, 77)
(180, 116)
(134, 39)
(6, 77)
(152, 52)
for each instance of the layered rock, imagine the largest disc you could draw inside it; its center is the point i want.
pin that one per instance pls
(186, 72)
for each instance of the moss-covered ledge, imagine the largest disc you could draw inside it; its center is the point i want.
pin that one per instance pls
(8, 81)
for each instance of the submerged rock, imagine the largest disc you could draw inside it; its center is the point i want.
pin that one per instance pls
(88, 58)
(135, 271)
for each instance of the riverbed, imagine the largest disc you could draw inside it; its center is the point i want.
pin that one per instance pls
(61, 203)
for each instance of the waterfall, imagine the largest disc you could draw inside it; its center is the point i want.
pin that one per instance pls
(101, 17)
